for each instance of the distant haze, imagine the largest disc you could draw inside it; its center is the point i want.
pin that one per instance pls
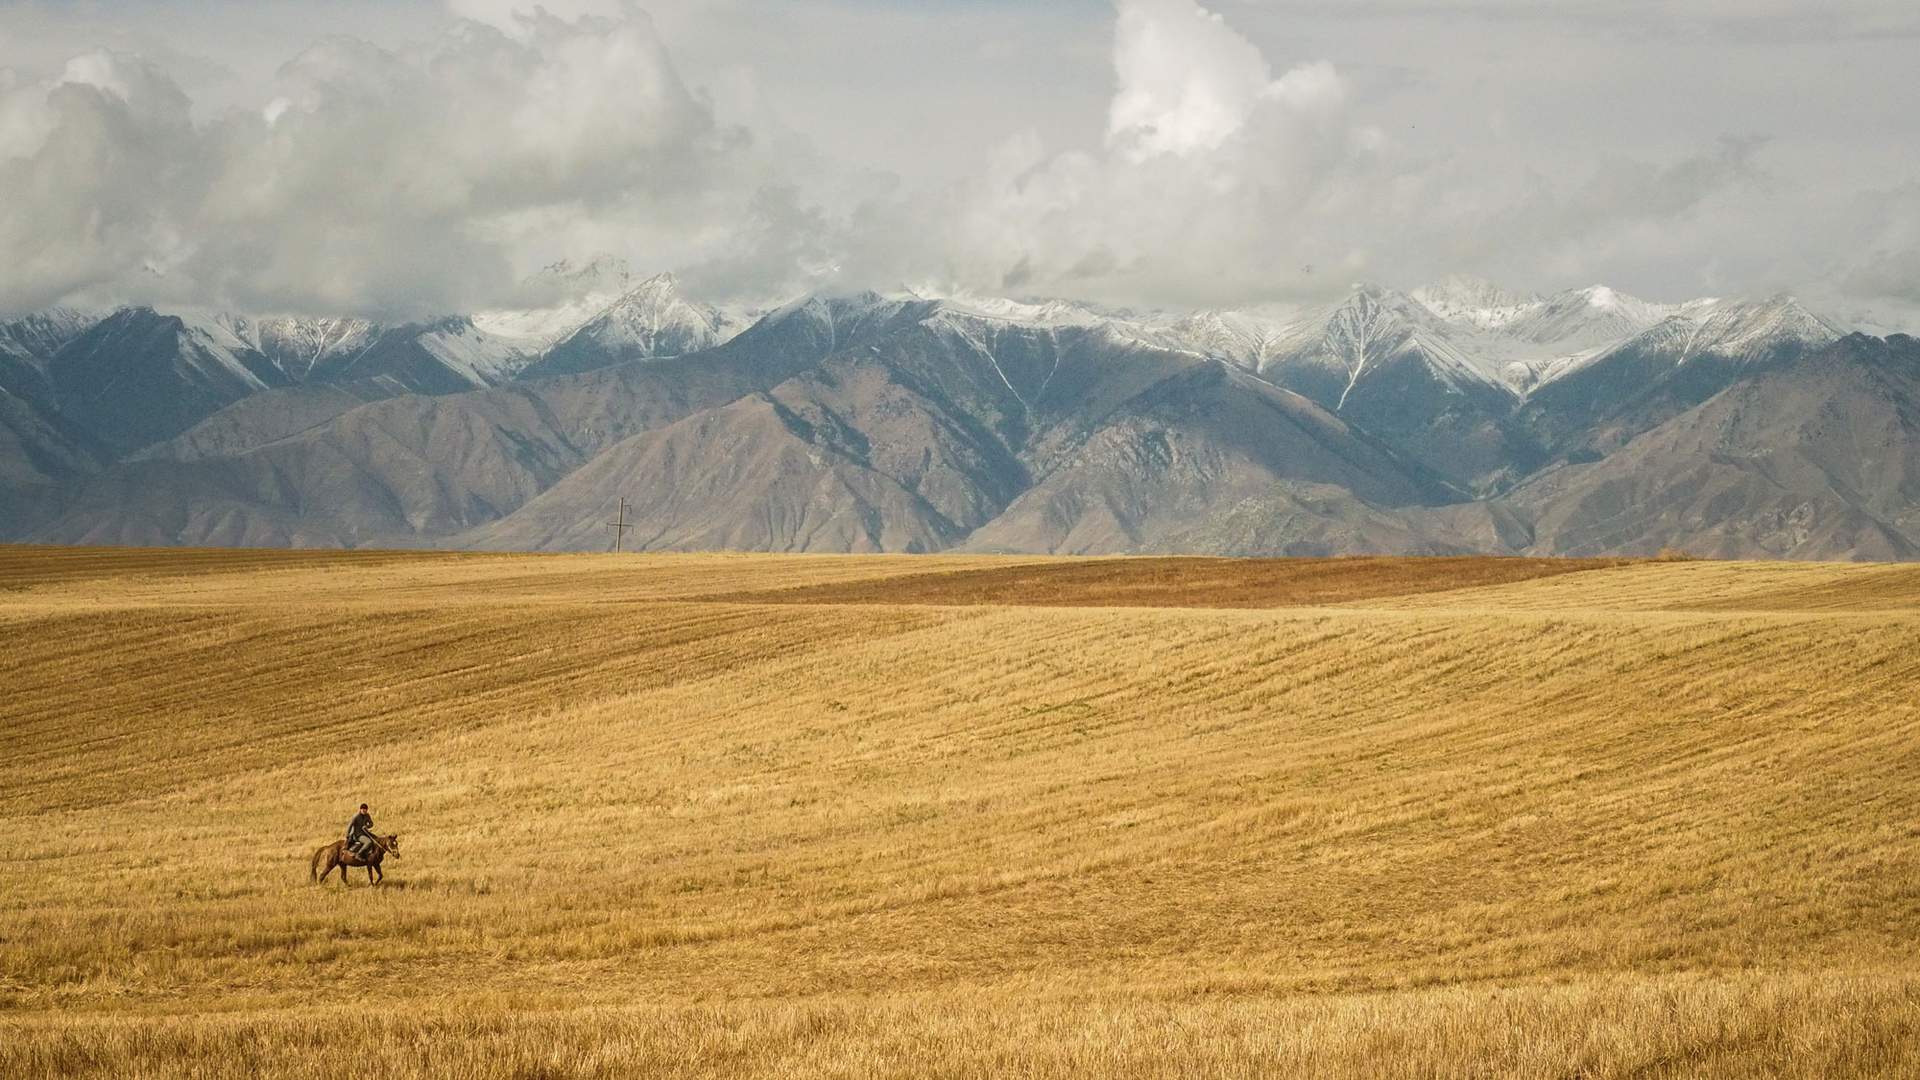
(408, 158)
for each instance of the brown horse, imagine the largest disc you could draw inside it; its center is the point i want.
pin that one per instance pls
(336, 854)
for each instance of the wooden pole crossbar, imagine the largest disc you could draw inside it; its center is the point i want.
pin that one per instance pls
(619, 526)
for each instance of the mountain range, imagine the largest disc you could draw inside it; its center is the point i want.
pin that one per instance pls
(1457, 417)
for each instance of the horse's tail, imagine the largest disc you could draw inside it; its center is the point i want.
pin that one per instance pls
(313, 868)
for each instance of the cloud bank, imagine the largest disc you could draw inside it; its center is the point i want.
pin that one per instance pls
(406, 180)
(374, 181)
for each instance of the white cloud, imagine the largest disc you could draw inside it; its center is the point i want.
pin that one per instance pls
(407, 182)
(1187, 81)
(517, 17)
(92, 169)
(1209, 164)
(1220, 182)
(1168, 154)
(1764, 19)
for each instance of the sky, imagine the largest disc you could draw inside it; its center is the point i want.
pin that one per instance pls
(409, 158)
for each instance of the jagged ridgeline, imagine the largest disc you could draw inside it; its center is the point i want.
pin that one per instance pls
(1458, 418)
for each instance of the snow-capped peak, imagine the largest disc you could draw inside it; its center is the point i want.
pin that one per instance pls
(1473, 302)
(1041, 313)
(1749, 329)
(1583, 318)
(1370, 325)
(36, 336)
(654, 319)
(654, 306)
(559, 298)
(1742, 331)
(566, 296)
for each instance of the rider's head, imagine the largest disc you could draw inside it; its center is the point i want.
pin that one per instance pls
(363, 806)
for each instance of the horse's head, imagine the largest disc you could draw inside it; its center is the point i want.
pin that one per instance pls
(392, 844)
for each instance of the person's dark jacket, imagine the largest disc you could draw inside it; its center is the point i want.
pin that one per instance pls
(361, 825)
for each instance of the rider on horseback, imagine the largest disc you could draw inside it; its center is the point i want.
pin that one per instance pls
(360, 833)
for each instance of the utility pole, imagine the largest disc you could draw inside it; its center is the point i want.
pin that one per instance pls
(619, 526)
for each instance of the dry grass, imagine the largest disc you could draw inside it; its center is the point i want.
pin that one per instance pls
(1568, 824)
(1178, 582)
(1645, 1027)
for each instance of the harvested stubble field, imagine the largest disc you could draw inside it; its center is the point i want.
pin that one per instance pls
(838, 817)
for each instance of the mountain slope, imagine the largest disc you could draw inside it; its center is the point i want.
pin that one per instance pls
(1599, 403)
(1817, 458)
(394, 472)
(928, 425)
(1188, 451)
(1388, 365)
(1474, 303)
(36, 448)
(652, 319)
(298, 346)
(1522, 339)
(904, 438)
(1582, 319)
(28, 343)
(313, 465)
(1380, 423)
(137, 376)
(745, 476)
(261, 419)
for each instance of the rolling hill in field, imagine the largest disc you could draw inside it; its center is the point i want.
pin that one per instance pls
(959, 815)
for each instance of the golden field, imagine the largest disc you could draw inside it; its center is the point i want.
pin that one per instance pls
(871, 816)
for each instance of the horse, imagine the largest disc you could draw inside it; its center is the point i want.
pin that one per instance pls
(336, 854)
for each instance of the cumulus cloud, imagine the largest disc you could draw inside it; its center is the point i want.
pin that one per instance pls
(1187, 81)
(520, 16)
(1220, 181)
(1209, 163)
(394, 182)
(1763, 19)
(1170, 156)
(1889, 266)
(94, 170)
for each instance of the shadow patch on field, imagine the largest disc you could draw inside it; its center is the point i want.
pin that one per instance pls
(24, 566)
(1181, 582)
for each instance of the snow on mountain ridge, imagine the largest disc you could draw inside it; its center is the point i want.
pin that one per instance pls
(1526, 340)
(654, 313)
(1371, 325)
(1745, 330)
(1474, 302)
(1583, 318)
(1739, 330)
(35, 337)
(1246, 341)
(1467, 329)
(295, 344)
(543, 326)
(1032, 313)
(483, 358)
